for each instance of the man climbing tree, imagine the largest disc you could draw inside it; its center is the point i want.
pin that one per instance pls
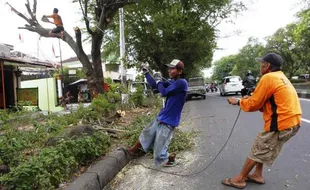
(97, 15)
(58, 31)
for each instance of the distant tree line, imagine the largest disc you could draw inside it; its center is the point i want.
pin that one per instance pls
(292, 42)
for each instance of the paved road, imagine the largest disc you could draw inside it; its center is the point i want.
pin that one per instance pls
(213, 118)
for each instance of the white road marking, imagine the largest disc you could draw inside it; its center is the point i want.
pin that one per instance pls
(305, 120)
(303, 99)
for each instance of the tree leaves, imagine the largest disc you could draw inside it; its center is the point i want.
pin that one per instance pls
(292, 42)
(162, 30)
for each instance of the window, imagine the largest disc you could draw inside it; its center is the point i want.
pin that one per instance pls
(223, 81)
(196, 82)
(233, 79)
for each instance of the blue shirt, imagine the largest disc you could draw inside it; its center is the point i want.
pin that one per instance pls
(175, 92)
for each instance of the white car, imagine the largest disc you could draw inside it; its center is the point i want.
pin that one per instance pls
(231, 84)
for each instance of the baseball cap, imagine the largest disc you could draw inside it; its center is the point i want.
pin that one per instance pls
(176, 64)
(272, 58)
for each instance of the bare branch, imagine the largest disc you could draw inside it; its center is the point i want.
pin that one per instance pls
(34, 7)
(28, 27)
(84, 12)
(109, 10)
(33, 19)
(19, 14)
(28, 7)
(122, 3)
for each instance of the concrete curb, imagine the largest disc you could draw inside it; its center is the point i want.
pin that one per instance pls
(99, 175)
(303, 95)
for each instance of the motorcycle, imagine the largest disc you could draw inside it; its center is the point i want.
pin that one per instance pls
(213, 89)
(247, 91)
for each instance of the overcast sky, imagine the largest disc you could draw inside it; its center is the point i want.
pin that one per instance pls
(262, 19)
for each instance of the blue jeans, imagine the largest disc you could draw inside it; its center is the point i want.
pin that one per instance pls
(157, 136)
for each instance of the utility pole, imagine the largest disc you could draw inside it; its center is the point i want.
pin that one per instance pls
(61, 92)
(122, 46)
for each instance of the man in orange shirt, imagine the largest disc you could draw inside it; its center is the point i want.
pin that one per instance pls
(58, 31)
(276, 97)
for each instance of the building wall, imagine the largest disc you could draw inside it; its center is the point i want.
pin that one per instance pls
(47, 93)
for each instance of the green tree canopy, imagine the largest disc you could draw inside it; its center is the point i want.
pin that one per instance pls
(284, 42)
(223, 67)
(159, 31)
(245, 59)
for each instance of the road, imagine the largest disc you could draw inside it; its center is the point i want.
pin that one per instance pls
(213, 118)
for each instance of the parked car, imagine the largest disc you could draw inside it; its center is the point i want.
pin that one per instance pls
(304, 76)
(231, 84)
(196, 88)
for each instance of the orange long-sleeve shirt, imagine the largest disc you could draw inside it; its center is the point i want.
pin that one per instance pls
(277, 98)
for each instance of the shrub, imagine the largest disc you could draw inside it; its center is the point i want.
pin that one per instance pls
(104, 104)
(55, 164)
(137, 98)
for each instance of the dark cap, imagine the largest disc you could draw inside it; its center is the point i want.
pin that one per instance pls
(55, 10)
(272, 58)
(176, 64)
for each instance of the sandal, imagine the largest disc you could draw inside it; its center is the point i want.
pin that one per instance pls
(249, 179)
(229, 183)
(171, 164)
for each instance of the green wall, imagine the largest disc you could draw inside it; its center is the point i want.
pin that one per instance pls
(47, 93)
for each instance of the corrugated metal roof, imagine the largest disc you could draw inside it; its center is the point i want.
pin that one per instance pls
(27, 62)
(19, 58)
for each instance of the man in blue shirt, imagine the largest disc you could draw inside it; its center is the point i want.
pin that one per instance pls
(158, 134)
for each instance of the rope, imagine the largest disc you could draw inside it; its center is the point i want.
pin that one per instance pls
(204, 168)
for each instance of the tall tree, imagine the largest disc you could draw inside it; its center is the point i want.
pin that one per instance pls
(284, 42)
(162, 30)
(245, 59)
(97, 15)
(223, 67)
(302, 37)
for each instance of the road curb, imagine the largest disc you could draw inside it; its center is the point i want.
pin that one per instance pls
(303, 95)
(100, 174)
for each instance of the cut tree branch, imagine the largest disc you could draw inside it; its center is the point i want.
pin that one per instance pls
(78, 36)
(28, 27)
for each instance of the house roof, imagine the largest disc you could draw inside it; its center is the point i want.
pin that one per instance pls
(27, 62)
(19, 58)
(73, 59)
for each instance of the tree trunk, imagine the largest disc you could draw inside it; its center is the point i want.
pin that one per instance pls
(162, 68)
(98, 81)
